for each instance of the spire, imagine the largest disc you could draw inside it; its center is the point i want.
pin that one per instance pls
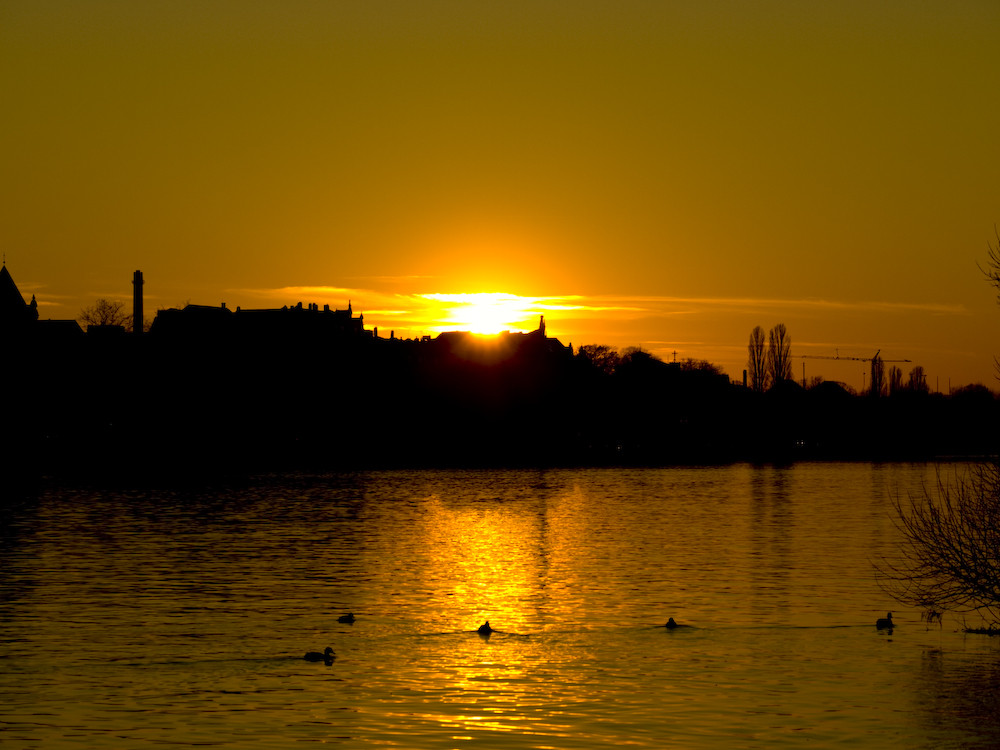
(12, 305)
(9, 293)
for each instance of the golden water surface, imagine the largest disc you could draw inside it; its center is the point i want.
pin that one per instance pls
(142, 619)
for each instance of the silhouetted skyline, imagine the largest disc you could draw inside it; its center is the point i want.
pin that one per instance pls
(212, 389)
(665, 175)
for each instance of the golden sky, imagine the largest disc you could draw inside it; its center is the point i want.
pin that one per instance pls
(661, 174)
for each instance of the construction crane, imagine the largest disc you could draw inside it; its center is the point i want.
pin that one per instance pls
(876, 367)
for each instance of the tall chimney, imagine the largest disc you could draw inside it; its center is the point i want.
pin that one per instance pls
(137, 283)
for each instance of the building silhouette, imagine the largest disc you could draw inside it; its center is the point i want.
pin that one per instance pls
(297, 322)
(14, 311)
(19, 320)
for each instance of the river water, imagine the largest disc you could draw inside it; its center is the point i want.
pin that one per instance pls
(147, 619)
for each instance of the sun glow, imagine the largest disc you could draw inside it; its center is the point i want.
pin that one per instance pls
(486, 312)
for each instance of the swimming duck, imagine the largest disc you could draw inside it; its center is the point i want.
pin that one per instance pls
(326, 656)
(884, 622)
(485, 628)
(671, 624)
(346, 618)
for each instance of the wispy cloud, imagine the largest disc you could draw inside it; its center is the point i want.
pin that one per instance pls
(680, 305)
(294, 293)
(392, 279)
(46, 301)
(435, 311)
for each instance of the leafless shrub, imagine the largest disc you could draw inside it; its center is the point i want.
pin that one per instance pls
(106, 312)
(950, 556)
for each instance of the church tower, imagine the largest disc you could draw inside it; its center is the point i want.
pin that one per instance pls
(13, 310)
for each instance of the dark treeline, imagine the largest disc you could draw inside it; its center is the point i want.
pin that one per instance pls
(210, 396)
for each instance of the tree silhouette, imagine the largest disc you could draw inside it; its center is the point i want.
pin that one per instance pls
(638, 355)
(779, 354)
(992, 273)
(603, 358)
(689, 364)
(917, 380)
(878, 376)
(109, 312)
(895, 380)
(948, 560)
(757, 360)
(106, 312)
(992, 269)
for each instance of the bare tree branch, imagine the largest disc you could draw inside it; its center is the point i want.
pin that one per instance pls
(950, 556)
(106, 312)
(992, 269)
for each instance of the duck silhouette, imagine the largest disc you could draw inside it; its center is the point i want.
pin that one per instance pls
(672, 624)
(346, 618)
(884, 622)
(327, 655)
(485, 628)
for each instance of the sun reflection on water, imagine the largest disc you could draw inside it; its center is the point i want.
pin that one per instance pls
(194, 610)
(494, 549)
(494, 560)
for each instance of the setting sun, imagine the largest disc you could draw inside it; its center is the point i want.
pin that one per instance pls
(485, 312)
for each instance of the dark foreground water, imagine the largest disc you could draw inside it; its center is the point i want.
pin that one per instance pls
(159, 619)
